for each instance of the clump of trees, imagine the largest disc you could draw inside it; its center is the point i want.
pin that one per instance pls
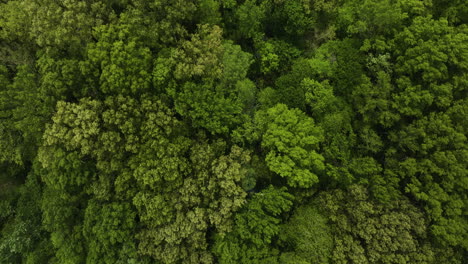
(236, 131)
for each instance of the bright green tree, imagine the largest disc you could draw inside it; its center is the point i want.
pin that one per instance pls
(290, 140)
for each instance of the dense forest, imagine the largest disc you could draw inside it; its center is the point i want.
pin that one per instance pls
(233, 131)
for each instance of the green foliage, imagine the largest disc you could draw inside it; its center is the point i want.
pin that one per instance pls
(308, 235)
(201, 56)
(23, 237)
(24, 110)
(291, 141)
(197, 192)
(371, 18)
(66, 25)
(206, 199)
(208, 10)
(219, 72)
(117, 61)
(454, 11)
(367, 232)
(255, 228)
(289, 86)
(254, 131)
(433, 141)
(249, 18)
(107, 228)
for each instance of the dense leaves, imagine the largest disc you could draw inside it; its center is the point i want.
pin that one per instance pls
(254, 131)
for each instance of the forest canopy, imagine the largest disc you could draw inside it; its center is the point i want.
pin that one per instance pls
(234, 131)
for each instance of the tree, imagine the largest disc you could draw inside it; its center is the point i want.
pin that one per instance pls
(108, 229)
(207, 197)
(204, 67)
(290, 140)
(255, 228)
(429, 151)
(178, 189)
(308, 235)
(253, 131)
(118, 63)
(367, 232)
